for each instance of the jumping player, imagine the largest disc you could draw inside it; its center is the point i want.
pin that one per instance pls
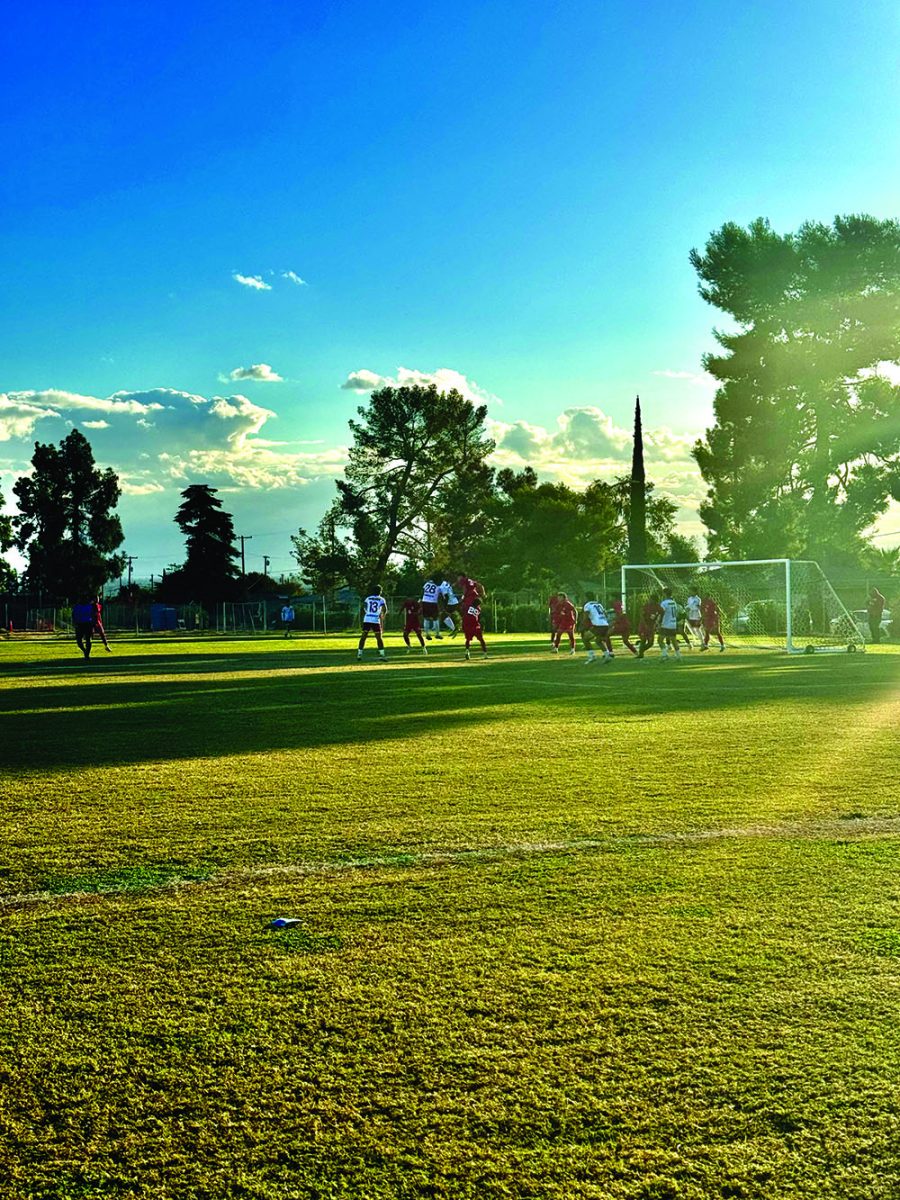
(471, 623)
(564, 622)
(412, 609)
(621, 627)
(596, 630)
(451, 606)
(430, 608)
(650, 615)
(712, 622)
(374, 608)
(472, 591)
(668, 625)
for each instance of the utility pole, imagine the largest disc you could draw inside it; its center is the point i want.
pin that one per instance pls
(245, 537)
(131, 558)
(266, 561)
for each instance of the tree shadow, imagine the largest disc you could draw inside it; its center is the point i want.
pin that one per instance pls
(287, 701)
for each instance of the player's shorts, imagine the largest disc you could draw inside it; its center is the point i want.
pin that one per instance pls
(711, 626)
(564, 627)
(429, 610)
(471, 626)
(694, 622)
(669, 631)
(622, 627)
(646, 632)
(371, 627)
(412, 626)
(599, 631)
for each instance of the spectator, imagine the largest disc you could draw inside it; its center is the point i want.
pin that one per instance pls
(875, 608)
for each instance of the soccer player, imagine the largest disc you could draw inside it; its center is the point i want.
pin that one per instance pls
(97, 622)
(552, 605)
(472, 591)
(430, 608)
(693, 617)
(412, 609)
(649, 619)
(287, 618)
(712, 619)
(564, 619)
(668, 625)
(621, 626)
(83, 620)
(374, 608)
(451, 606)
(471, 623)
(596, 630)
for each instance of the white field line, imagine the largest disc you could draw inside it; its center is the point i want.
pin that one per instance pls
(857, 828)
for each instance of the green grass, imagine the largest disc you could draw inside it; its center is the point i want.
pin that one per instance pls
(621, 932)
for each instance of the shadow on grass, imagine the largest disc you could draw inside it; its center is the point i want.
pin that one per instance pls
(294, 706)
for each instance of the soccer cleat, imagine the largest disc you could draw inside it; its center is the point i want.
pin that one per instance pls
(424, 651)
(454, 633)
(702, 648)
(409, 649)
(381, 657)
(108, 649)
(468, 655)
(484, 654)
(555, 649)
(359, 656)
(571, 654)
(590, 658)
(427, 637)
(439, 637)
(664, 656)
(721, 649)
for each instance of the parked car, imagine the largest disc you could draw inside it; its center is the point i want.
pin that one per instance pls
(861, 621)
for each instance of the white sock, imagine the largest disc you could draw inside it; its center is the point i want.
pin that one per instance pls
(449, 622)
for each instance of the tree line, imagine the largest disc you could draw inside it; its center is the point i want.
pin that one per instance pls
(803, 455)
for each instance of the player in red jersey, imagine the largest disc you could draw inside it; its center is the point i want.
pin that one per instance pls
(564, 622)
(621, 626)
(552, 606)
(412, 610)
(650, 618)
(471, 623)
(472, 592)
(97, 618)
(712, 618)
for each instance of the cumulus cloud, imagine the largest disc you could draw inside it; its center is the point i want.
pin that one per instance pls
(256, 282)
(257, 373)
(161, 438)
(293, 277)
(445, 379)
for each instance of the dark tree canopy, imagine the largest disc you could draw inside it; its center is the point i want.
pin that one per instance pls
(7, 574)
(210, 571)
(805, 450)
(66, 526)
(413, 448)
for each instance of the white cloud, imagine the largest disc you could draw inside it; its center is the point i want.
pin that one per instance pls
(256, 282)
(294, 278)
(445, 379)
(95, 424)
(257, 373)
(697, 378)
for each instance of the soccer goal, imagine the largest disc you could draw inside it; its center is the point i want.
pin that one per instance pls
(776, 603)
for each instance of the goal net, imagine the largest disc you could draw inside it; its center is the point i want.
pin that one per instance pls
(778, 603)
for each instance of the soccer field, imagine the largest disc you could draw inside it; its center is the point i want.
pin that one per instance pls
(626, 931)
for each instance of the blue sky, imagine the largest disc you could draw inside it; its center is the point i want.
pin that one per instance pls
(502, 192)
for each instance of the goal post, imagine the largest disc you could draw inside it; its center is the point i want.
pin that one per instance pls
(766, 603)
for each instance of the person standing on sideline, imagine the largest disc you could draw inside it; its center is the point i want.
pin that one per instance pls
(668, 625)
(374, 608)
(287, 619)
(83, 620)
(874, 610)
(97, 622)
(412, 609)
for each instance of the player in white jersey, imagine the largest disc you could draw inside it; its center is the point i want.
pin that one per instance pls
(451, 606)
(595, 629)
(668, 625)
(430, 593)
(373, 610)
(692, 616)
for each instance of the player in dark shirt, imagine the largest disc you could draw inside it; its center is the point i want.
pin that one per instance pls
(412, 610)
